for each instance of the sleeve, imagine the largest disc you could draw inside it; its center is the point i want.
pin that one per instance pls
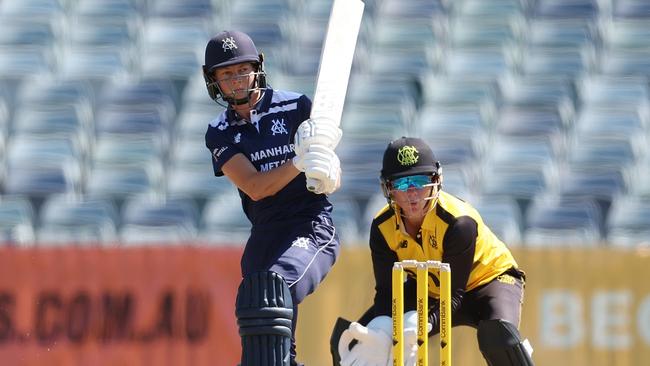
(459, 246)
(304, 105)
(382, 262)
(221, 148)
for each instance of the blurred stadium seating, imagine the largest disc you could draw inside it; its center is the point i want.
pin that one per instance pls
(538, 110)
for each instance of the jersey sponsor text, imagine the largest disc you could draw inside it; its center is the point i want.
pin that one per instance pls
(271, 152)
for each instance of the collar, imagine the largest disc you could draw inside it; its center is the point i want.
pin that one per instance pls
(427, 224)
(432, 215)
(429, 220)
(399, 221)
(262, 105)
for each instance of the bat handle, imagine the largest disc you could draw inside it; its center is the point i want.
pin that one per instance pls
(312, 184)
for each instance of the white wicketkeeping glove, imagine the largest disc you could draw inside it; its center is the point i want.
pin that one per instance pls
(411, 338)
(316, 131)
(322, 168)
(374, 343)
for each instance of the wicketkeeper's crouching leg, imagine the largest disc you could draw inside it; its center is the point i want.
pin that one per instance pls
(501, 344)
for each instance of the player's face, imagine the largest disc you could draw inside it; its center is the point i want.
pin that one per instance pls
(412, 194)
(236, 80)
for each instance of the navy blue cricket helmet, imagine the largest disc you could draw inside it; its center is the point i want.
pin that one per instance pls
(229, 48)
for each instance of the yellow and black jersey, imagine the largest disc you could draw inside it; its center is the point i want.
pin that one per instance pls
(453, 232)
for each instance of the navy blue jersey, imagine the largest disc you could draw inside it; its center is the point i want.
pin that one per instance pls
(267, 141)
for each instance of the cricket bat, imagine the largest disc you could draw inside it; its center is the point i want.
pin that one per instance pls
(336, 61)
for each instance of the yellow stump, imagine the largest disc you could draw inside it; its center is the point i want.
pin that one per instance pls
(397, 312)
(423, 313)
(445, 315)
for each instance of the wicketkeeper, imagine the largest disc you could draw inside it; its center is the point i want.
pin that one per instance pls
(422, 222)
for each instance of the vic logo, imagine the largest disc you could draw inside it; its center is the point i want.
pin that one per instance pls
(279, 127)
(301, 242)
(228, 44)
(237, 138)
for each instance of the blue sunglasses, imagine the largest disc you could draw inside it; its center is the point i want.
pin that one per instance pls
(417, 181)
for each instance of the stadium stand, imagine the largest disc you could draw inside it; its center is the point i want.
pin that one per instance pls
(77, 219)
(16, 220)
(151, 219)
(102, 101)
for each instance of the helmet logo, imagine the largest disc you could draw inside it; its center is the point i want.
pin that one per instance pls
(228, 44)
(408, 155)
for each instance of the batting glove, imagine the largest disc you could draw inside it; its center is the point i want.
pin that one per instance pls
(322, 168)
(316, 131)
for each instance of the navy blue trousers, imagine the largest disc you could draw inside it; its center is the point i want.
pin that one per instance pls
(302, 252)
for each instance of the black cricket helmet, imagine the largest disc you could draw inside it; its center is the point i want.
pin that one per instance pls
(407, 156)
(229, 48)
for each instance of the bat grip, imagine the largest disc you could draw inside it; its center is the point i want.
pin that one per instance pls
(312, 184)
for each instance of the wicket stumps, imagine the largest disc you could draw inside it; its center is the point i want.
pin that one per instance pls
(422, 275)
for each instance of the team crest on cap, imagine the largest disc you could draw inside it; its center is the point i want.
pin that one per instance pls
(407, 155)
(228, 44)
